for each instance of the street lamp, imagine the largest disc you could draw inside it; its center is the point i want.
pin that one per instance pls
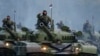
(52, 21)
(51, 9)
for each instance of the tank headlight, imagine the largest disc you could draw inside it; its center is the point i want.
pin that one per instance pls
(44, 48)
(7, 44)
(77, 50)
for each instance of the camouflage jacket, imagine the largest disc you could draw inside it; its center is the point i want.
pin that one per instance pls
(42, 18)
(7, 22)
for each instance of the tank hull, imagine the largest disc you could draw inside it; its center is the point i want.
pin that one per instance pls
(9, 52)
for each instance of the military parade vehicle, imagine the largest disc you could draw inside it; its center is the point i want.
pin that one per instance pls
(63, 43)
(11, 44)
(46, 43)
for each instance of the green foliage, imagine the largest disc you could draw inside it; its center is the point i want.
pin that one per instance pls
(25, 29)
(29, 34)
(1, 28)
(79, 33)
(65, 28)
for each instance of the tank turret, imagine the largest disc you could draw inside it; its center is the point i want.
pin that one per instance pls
(47, 31)
(12, 33)
(7, 33)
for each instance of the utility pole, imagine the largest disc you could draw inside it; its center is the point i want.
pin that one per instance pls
(93, 23)
(14, 21)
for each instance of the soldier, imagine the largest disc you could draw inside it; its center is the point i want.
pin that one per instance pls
(8, 23)
(44, 18)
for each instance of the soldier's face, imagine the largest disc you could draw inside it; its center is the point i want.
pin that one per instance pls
(8, 18)
(44, 13)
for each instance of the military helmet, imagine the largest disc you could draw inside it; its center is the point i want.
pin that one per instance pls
(8, 16)
(44, 11)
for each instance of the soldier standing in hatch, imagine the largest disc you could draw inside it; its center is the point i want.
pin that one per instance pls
(8, 23)
(44, 18)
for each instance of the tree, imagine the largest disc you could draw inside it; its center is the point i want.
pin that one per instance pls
(65, 28)
(1, 28)
(78, 33)
(25, 29)
(60, 24)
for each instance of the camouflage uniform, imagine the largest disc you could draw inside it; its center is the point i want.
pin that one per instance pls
(8, 23)
(44, 19)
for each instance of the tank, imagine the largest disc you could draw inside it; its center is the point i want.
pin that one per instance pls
(16, 44)
(7, 36)
(46, 42)
(63, 43)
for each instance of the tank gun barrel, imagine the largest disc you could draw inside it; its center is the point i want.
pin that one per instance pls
(47, 31)
(41, 25)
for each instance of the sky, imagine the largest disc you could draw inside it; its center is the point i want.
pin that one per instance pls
(73, 13)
